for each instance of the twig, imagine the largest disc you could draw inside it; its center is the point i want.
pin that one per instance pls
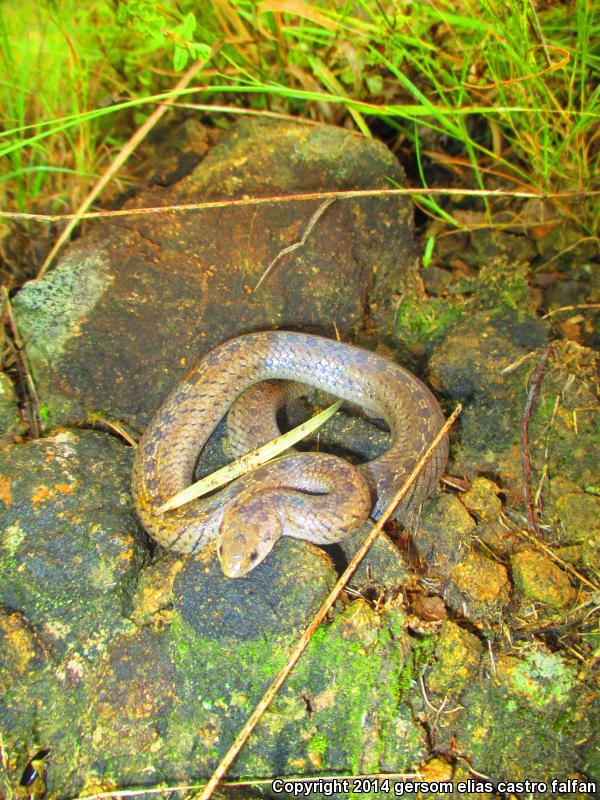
(104, 423)
(116, 165)
(571, 308)
(525, 456)
(249, 782)
(253, 112)
(290, 249)
(305, 638)
(564, 564)
(516, 364)
(32, 401)
(442, 709)
(544, 474)
(340, 195)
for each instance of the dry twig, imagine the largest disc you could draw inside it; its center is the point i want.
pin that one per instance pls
(525, 455)
(256, 201)
(571, 308)
(32, 402)
(116, 165)
(290, 249)
(250, 782)
(305, 638)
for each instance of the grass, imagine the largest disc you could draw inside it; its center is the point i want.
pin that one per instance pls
(499, 93)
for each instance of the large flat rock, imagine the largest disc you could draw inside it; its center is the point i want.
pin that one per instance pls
(138, 299)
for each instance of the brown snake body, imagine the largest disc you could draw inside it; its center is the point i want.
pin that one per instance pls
(313, 496)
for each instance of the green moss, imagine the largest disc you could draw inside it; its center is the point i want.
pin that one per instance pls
(424, 321)
(542, 679)
(318, 745)
(498, 285)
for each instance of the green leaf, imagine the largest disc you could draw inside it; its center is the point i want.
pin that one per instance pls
(122, 13)
(188, 27)
(199, 51)
(427, 254)
(180, 58)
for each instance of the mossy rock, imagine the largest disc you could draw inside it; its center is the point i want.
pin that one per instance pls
(525, 722)
(11, 423)
(539, 579)
(137, 301)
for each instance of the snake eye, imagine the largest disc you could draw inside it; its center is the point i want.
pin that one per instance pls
(253, 556)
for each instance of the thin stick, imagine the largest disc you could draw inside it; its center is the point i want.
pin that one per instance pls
(571, 308)
(32, 401)
(525, 456)
(564, 564)
(116, 165)
(250, 782)
(290, 248)
(340, 195)
(302, 643)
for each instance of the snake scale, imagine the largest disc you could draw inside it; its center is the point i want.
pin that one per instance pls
(313, 496)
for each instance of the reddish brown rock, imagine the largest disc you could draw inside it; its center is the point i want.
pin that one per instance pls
(138, 299)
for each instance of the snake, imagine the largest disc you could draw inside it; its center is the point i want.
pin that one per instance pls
(318, 497)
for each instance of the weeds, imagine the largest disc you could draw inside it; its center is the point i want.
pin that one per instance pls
(497, 92)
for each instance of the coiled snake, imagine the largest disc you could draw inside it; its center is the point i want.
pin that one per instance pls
(311, 496)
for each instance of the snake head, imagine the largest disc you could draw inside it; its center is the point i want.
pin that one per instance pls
(247, 535)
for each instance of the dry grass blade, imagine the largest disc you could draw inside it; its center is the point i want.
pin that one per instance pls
(303, 641)
(248, 462)
(305, 196)
(116, 165)
(32, 404)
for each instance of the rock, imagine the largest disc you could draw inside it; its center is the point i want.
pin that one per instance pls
(359, 662)
(436, 280)
(539, 579)
(279, 596)
(468, 366)
(70, 546)
(176, 150)
(457, 657)
(137, 300)
(478, 588)
(473, 584)
(482, 500)
(11, 423)
(153, 597)
(484, 364)
(70, 551)
(427, 608)
(579, 515)
(445, 533)
(493, 244)
(590, 552)
(519, 724)
(134, 696)
(566, 293)
(541, 680)
(142, 671)
(382, 569)
(565, 244)
(339, 706)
